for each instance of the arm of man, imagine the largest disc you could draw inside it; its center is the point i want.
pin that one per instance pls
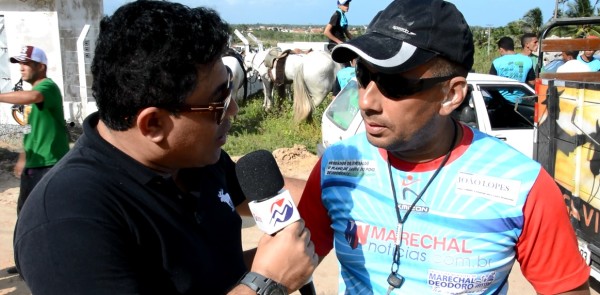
(22, 97)
(286, 257)
(333, 21)
(20, 165)
(315, 214)
(330, 35)
(348, 34)
(531, 77)
(547, 248)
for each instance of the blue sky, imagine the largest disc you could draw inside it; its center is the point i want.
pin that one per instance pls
(317, 12)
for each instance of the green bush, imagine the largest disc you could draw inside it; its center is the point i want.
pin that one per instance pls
(254, 128)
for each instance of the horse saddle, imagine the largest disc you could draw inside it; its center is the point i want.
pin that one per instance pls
(272, 55)
(276, 59)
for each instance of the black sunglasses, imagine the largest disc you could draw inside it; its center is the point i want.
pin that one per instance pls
(220, 107)
(394, 85)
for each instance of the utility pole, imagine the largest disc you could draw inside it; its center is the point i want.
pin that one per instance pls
(489, 33)
(556, 10)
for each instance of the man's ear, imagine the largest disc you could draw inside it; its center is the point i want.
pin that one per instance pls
(154, 123)
(457, 90)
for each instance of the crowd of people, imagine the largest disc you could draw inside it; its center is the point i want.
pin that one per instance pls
(419, 203)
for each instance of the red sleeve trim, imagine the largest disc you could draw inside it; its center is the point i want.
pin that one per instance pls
(547, 248)
(314, 213)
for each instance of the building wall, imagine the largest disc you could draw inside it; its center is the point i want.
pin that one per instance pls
(55, 26)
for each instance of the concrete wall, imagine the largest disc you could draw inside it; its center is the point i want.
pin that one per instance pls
(55, 26)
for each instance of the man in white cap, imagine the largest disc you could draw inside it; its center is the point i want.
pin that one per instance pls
(421, 203)
(45, 138)
(337, 28)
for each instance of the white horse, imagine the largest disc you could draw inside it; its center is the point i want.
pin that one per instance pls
(313, 75)
(234, 62)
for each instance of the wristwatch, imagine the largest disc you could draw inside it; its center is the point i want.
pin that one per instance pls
(262, 285)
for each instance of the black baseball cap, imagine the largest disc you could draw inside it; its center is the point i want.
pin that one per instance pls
(408, 33)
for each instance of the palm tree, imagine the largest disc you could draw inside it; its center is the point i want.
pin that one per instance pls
(533, 20)
(579, 8)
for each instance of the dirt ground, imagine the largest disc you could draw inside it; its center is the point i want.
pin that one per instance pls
(294, 162)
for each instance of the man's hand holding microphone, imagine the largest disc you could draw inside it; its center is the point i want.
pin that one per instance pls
(285, 257)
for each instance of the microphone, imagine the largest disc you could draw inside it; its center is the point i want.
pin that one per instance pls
(261, 181)
(272, 206)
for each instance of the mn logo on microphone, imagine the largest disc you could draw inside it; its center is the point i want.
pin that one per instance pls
(281, 211)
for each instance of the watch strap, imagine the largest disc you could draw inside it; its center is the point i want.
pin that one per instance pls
(257, 282)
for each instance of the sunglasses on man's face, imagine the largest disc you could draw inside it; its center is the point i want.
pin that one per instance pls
(394, 85)
(220, 107)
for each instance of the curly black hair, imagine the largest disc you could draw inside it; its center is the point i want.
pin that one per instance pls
(148, 54)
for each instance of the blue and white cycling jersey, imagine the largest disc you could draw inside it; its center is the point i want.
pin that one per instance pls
(460, 238)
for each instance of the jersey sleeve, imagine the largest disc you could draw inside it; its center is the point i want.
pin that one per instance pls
(335, 19)
(45, 88)
(547, 248)
(314, 213)
(531, 74)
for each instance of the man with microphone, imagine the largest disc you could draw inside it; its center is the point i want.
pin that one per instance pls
(146, 201)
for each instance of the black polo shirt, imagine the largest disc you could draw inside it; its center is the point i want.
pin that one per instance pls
(102, 223)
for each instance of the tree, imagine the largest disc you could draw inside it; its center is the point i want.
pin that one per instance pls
(581, 8)
(533, 20)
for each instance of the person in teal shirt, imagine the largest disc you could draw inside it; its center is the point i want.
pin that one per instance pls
(342, 78)
(588, 58)
(512, 65)
(337, 28)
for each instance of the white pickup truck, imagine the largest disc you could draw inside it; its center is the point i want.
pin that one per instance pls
(498, 106)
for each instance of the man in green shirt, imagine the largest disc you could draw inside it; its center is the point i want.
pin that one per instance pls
(45, 138)
(529, 42)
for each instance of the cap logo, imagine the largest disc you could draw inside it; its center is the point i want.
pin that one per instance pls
(26, 51)
(403, 30)
(405, 53)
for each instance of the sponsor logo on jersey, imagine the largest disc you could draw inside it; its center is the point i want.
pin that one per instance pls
(281, 211)
(496, 189)
(459, 283)
(352, 168)
(408, 197)
(360, 233)
(409, 180)
(434, 249)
